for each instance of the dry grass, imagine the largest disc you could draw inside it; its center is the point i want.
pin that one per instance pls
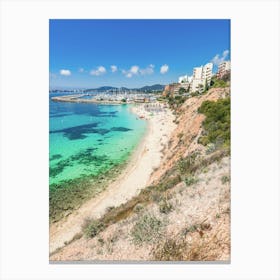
(154, 193)
(205, 244)
(147, 229)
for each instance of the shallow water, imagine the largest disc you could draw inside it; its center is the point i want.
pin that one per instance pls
(89, 139)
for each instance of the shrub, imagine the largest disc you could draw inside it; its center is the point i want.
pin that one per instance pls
(182, 90)
(169, 183)
(217, 122)
(190, 180)
(185, 163)
(225, 179)
(211, 147)
(165, 207)
(92, 228)
(156, 196)
(216, 83)
(170, 250)
(146, 229)
(138, 207)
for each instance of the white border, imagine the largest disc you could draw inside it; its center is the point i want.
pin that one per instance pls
(255, 137)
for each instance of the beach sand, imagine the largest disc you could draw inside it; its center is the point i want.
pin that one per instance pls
(136, 176)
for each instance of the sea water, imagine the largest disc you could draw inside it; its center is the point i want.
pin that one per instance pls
(87, 139)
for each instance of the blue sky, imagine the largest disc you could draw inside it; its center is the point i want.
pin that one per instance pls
(132, 53)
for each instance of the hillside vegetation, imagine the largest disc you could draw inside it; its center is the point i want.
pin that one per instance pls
(217, 122)
(184, 213)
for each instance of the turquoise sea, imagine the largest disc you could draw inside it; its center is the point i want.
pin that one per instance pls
(86, 140)
(88, 146)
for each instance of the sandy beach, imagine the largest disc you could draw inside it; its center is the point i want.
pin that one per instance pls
(136, 176)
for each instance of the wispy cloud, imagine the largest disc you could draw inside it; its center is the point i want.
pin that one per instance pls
(81, 70)
(217, 59)
(148, 70)
(114, 68)
(65, 72)
(99, 71)
(164, 69)
(136, 70)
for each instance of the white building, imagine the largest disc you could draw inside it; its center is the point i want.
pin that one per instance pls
(201, 76)
(207, 72)
(185, 86)
(223, 68)
(197, 85)
(197, 72)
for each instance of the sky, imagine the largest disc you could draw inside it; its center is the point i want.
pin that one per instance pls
(132, 53)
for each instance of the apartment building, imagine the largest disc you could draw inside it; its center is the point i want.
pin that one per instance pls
(207, 72)
(197, 73)
(223, 68)
(201, 76)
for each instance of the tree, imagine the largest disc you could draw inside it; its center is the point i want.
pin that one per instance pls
(182, 90)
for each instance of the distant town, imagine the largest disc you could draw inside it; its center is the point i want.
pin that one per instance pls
(201, 80)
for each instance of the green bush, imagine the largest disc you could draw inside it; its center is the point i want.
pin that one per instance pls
(184, 164)
(182, 90)
(216, 83)
(93, 228)
(225, 179)
(190, 180)
(217, 123)
(211, 147)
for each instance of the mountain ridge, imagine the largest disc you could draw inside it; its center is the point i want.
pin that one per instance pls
(147, 88)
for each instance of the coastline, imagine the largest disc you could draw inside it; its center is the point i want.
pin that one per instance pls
(136, 175)
(79, 99)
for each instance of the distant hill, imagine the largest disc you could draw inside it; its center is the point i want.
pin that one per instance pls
(152, 88)
(104, 88)
(156, 87)
(124, 88)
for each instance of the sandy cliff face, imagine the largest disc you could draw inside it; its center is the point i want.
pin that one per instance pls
(183, 140)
